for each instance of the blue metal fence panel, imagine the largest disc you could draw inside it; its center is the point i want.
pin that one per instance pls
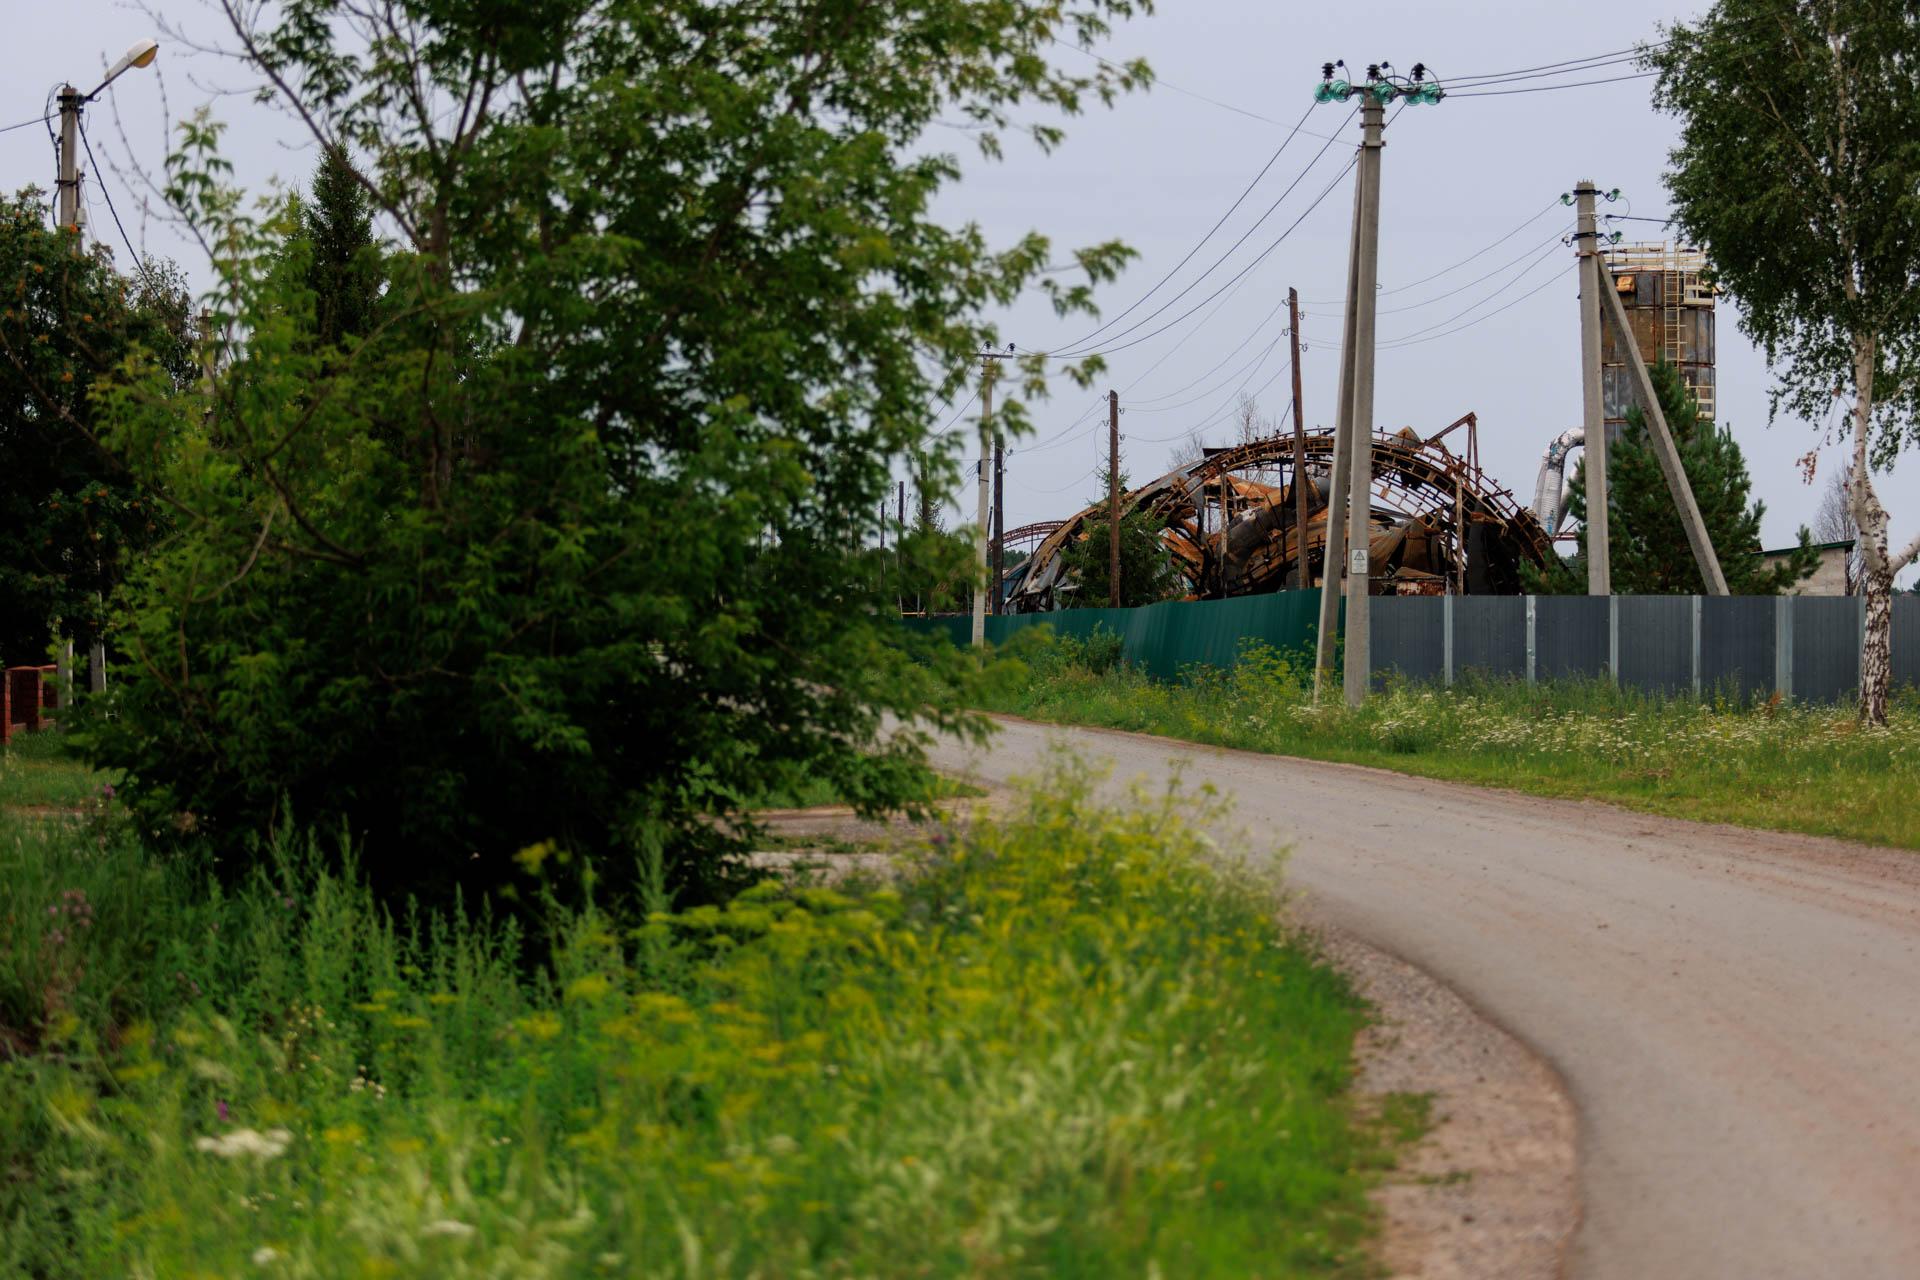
(1656, 643)
(1490, 636)
(1737, 645)
(1570, 637)
(1906, 640)
(1826, 647)
(1408, 637)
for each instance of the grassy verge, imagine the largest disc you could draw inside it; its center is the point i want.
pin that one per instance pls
(1071, 1045)
(1782, 767)
(36, 773)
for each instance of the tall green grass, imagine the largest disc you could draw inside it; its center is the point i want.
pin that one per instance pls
(1785, 766)
(1071, 1044)
(37, 773)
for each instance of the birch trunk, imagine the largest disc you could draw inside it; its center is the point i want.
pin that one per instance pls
(1876, 644)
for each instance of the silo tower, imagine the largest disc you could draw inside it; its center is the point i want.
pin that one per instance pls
(1670, 308)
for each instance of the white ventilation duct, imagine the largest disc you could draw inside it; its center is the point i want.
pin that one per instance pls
(1551, 490)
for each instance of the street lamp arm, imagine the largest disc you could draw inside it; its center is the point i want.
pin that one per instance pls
(140, 55)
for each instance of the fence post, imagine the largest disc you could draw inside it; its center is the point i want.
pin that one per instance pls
(1530, 635)
(1613, 641)
(1783, 646)
(1446, 636)
(1696, 648)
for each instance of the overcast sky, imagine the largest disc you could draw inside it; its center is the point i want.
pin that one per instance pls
(1156, 171)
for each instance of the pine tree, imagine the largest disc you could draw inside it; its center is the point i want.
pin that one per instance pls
(343, 271)
(1650, 551)
(1146, 573)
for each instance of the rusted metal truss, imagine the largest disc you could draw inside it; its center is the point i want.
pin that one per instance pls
(1439, 524)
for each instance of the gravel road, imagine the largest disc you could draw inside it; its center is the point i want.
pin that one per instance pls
(1736, 1014)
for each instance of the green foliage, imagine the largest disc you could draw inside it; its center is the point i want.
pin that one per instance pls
(1650, 554)
(343, 267)
(1072, 1046)
(1796, 172)
(1147, 575)
(567, 545)
(37, 770)
(1783, 766)
(72, 517)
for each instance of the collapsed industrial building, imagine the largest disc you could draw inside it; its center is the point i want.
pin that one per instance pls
(1229, 523)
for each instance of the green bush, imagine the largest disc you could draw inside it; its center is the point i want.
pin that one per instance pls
(1071, 1045)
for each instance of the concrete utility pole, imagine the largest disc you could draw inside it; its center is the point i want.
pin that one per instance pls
(1678, 486)
(999, 518)
(1586, 241)
(68, 183)
(980, 475)
(1300, 503)
(1113, 498)
(1334, 549)
(1358, 658)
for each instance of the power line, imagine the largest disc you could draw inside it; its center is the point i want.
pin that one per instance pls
(1072, 352)
(1223, 288)
(1153, 77)
(1525, 253)
(108, 196)
(1211, 231)
(1548, 66)
(25, 124)
(1549, 207)
(1414, 342)
(1543, 88)
(1251, 335)
(1518, 276)
(1567, 69)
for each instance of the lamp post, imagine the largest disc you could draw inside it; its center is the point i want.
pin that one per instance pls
(141, 54)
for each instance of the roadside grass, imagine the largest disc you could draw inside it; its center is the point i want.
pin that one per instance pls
(1788, 767)
(1072, 1043)
(36, 772)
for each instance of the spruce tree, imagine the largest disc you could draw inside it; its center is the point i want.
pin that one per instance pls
(343, 271)
(1650, 552)
(1146, 572)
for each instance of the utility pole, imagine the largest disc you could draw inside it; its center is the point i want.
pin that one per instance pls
(1356, 374)
(68, 181)
(1678, 486)
(999, 521)
(1586, 240)
(980, 477)
(1113, 499)
(1333, 552)
(1300, 503)
(988, 433)
(1358, 665)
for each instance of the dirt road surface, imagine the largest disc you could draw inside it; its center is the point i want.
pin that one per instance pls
(1736, 1014)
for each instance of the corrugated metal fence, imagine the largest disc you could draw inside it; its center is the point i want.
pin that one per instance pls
(1807, 647)
(1162, 638)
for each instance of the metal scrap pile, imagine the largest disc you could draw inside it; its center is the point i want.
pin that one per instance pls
(1229, 525)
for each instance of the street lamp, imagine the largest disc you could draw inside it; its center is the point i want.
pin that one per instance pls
(141, 54)
(71, 100)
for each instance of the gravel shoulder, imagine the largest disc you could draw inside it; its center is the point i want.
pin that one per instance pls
(1490, 1193)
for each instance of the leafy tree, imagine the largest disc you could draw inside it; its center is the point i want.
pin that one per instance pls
(1798, 174)
(1650, 551)
(71, 515)
(1147, 574)
(568, 547)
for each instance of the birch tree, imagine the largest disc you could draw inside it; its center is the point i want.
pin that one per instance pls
(1798, 171)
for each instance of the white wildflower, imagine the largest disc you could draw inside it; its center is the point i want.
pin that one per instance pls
(246, 1142)
(447, 1227)
(265, 1254)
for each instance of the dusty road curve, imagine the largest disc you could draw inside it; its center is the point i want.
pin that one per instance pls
(1736, 1014)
